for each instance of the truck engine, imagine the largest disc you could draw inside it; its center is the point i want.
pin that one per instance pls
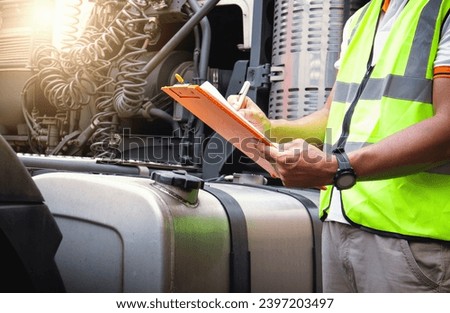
(96, 92)
(81, 107)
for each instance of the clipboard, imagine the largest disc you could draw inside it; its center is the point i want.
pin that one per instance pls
(206, 103)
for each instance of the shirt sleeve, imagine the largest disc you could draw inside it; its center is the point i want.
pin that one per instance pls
(442, 61)
(345, 40)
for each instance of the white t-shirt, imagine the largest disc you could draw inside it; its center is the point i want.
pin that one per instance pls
(386, 21)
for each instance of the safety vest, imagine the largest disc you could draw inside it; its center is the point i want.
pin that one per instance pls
(371, 103)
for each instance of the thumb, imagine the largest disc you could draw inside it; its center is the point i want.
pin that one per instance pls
(233, 100)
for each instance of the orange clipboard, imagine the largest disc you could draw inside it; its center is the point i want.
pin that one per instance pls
(214, 111)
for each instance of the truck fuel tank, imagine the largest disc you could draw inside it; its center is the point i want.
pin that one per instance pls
(175, 233)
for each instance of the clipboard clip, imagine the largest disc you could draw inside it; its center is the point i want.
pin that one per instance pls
(179, 78)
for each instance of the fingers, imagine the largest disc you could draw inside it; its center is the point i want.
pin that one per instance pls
(278, 159)
(295, 163)
(234, 101)
(293, 144)
(285, 156)
(247, 103)
(252, 115)
(251, 112)
(270, 153)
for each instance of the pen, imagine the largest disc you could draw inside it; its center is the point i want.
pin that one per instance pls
(242, 94)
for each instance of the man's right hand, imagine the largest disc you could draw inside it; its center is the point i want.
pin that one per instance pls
(251, 112)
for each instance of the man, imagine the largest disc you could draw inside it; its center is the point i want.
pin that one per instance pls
(385, 130)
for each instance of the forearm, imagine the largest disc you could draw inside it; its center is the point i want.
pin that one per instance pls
(310, 128)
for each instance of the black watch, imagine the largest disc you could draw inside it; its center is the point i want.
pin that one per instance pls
(345, 176)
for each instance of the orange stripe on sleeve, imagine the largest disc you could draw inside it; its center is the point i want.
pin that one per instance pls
(385, 5)
(441, 71)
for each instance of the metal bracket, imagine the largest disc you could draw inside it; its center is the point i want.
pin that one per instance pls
(259, 75)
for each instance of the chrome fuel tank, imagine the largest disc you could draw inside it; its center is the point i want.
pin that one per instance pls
(132, 234)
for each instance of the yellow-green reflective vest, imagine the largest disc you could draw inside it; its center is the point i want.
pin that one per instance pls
(394, 94)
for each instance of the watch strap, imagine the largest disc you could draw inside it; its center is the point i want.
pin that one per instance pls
(345, 176)
(342, 158)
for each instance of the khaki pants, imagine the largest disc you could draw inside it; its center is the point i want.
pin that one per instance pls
(359, 261)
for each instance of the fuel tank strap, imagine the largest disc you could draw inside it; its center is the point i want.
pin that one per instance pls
(239, 253)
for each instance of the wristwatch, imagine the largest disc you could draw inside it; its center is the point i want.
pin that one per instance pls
(345, 176)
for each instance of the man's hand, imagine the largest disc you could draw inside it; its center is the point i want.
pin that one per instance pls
(251, 112)
(300, 164)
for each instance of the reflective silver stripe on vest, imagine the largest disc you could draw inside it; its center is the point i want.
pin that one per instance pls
(421, 47)
(393, 86)
(350, 146)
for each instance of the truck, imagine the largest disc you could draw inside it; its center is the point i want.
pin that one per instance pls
(109, 185)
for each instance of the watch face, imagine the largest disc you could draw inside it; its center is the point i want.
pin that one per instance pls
(345, 180)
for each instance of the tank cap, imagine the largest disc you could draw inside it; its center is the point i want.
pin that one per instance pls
(178, 178)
